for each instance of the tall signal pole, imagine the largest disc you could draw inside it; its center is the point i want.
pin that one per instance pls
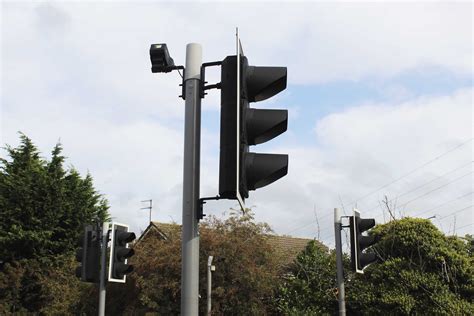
(339, 266)
(191, 171)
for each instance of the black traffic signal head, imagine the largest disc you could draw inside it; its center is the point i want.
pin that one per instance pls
(120, 252)
(359, 242)
(89, 255)
(241, 126)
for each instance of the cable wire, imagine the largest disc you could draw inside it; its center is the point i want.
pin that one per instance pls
(411, 172)
(440, 205)
(394, 181)
(431, 191)
(370, 212)
(455, 212)
(374, 207)
(471, 224)
(425, 184)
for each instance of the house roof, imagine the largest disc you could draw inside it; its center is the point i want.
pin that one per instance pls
(163, 229)
(287, 245)
(290, 246)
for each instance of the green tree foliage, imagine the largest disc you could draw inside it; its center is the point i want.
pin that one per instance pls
(470, 242)
(309, 286)
(51, 288)
(247, 265)
(420, 272)
(246, 276)
(43, 208)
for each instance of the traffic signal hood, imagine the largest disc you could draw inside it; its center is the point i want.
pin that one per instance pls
(88, 255)
(241, 126)
(360, 242)
(120, 252)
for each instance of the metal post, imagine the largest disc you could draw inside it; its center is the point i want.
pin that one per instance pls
(192, 144)
(148, 207)
(209, 284)
(339, 266)
(103, 263)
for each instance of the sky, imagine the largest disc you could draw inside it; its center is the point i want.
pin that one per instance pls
(379, 98)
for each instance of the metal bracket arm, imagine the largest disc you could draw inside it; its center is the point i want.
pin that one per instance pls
(202, 201)
(203, 78)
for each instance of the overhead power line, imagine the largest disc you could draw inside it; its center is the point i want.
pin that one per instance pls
(443, 204)
(394, 181)
(370, 210)
(431, 191)
(423, 185)
(470, 224)
(412, 171)
(455, 212)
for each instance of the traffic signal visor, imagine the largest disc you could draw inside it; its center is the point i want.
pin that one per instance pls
(241, 170)
(359, 242)
(120, 252)
(264, 82)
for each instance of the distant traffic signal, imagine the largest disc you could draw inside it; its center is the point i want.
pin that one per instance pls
(241, 126)
(359, 242)
(120, 252)
(89, 255)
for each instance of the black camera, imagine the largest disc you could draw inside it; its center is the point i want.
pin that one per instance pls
(160, 58)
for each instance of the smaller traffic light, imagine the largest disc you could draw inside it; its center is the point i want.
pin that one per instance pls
(120, 252)
(359, 242)
(89, 255)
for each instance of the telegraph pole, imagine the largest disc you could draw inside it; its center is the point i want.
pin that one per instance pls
(191, 170)
(339, 266)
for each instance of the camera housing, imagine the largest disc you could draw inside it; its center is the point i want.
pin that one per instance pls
(160, 59)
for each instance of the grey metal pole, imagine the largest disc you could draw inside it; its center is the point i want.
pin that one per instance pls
(149, 208)
(103, 262)
(339, 266)
(209, 284)
(192, 144)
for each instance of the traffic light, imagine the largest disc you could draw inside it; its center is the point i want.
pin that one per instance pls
(241, 126)
(359, 242)
(120, 252)
(89, 255)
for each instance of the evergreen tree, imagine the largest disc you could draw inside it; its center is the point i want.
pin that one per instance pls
(42, 206)
(43, 209)
(420, 272)
(309, 287)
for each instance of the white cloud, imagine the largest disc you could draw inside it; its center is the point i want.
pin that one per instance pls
(319, 42)
(366, 147)
(81, 72)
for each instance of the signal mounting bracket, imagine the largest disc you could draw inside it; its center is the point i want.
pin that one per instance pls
(203, 78)
(202, 201)
(346, 226)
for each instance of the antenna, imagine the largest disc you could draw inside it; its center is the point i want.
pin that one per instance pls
(149, 207)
